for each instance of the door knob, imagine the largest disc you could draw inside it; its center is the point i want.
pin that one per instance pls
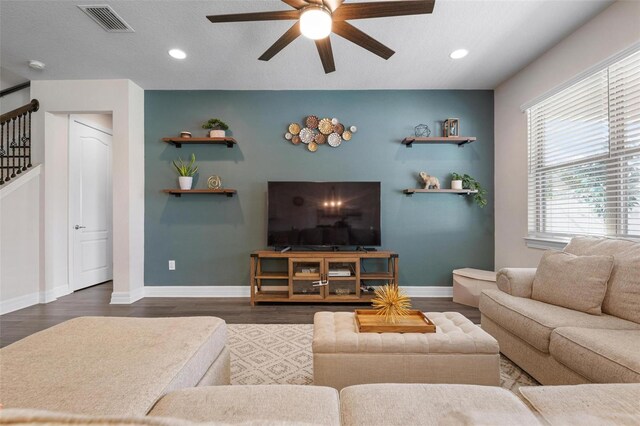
(79, 227)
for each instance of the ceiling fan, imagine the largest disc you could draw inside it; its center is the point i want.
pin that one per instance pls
(316, 19)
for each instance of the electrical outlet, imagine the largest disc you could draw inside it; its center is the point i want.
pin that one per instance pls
(172, 265)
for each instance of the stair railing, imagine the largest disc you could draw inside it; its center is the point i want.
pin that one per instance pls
(15, 141)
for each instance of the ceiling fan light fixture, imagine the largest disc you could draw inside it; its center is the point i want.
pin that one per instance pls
(459, 54)
(177, 54)
(315, 23)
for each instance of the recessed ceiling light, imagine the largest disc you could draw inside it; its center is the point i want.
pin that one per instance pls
(177, 53)
(459, 54)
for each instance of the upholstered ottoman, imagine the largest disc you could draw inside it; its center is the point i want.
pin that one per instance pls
(459, 352)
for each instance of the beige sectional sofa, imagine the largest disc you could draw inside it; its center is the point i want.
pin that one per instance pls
(372, 405)
(138, 371)
(557, 345)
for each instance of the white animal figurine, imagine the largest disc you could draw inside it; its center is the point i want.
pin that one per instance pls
(430, 182)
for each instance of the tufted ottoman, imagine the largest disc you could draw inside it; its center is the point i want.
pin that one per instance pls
(459, 352)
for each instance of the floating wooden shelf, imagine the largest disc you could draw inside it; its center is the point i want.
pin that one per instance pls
(412, 191)
(457, 140)
(229, 142)
(179, 192)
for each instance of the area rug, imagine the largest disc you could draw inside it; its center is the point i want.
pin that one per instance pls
(264, 354)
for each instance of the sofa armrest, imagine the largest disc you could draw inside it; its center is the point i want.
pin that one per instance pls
(516, 281)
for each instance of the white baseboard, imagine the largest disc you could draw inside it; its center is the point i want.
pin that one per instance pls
(54, 293)
(432, 291)
(197, 291)
(127, 297)
(243, 291)
(19, 302)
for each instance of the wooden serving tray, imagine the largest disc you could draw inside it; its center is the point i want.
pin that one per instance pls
(369, 321)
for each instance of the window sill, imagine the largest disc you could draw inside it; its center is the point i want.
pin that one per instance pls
(546, 243)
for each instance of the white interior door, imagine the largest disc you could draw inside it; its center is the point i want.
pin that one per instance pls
(90, 208)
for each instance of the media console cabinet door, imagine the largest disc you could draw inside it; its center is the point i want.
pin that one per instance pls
(306, 278)
(343, 277)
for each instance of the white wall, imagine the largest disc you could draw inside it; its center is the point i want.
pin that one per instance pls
(20, 241)
(125, 101)
(15, 99)
(105, 121)
(613, 30)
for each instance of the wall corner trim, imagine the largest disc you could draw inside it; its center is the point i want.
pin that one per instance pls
(53, 294)
(127, 297)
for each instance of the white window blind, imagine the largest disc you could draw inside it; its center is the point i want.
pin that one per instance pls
(584, 156)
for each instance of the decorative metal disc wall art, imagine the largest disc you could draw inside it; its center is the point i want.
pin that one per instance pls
(316, 132)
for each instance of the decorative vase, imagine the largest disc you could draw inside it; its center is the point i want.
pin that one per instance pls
(216, 134)
(185, 182)
(456, 184)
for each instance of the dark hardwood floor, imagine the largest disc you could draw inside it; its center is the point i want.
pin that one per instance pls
(94, 301)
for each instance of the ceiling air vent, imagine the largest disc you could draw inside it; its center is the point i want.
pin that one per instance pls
(107, 18)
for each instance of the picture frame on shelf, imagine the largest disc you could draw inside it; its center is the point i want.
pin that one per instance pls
(451, 127)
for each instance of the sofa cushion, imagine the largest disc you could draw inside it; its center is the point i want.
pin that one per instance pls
(561, 276)
(533, 321)
(24, 417)
(622, 298)
(602, 356)
(14, 416)
(291, 403)
(431, 404)
(586, 405)
(108, 365)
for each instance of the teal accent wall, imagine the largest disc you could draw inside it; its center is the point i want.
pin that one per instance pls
(210, 237)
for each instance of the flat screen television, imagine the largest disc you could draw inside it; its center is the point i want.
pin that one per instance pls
(323, 214)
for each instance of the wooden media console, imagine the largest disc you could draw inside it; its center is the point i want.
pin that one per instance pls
(320, 276)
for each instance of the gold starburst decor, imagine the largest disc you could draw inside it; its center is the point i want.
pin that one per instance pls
(391, 302)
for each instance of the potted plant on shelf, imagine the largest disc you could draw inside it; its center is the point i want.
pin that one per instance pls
(470, 183)
(216, 128)
(186, 172)
(456, 181)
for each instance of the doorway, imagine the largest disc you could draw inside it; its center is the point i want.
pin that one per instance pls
(90, 200)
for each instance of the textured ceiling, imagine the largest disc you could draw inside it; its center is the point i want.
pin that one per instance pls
(502, 37)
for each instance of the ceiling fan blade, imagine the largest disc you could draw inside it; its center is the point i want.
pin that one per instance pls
(291, 34)
(332, 4)
(296, 4)
(279, 15)
(326, 54)
(382, 9)
(354, 35)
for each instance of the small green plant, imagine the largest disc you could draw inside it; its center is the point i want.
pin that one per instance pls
(185, 169)
(470, 183)
(215, 124)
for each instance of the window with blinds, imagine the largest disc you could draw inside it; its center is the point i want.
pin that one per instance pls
(584, 156)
